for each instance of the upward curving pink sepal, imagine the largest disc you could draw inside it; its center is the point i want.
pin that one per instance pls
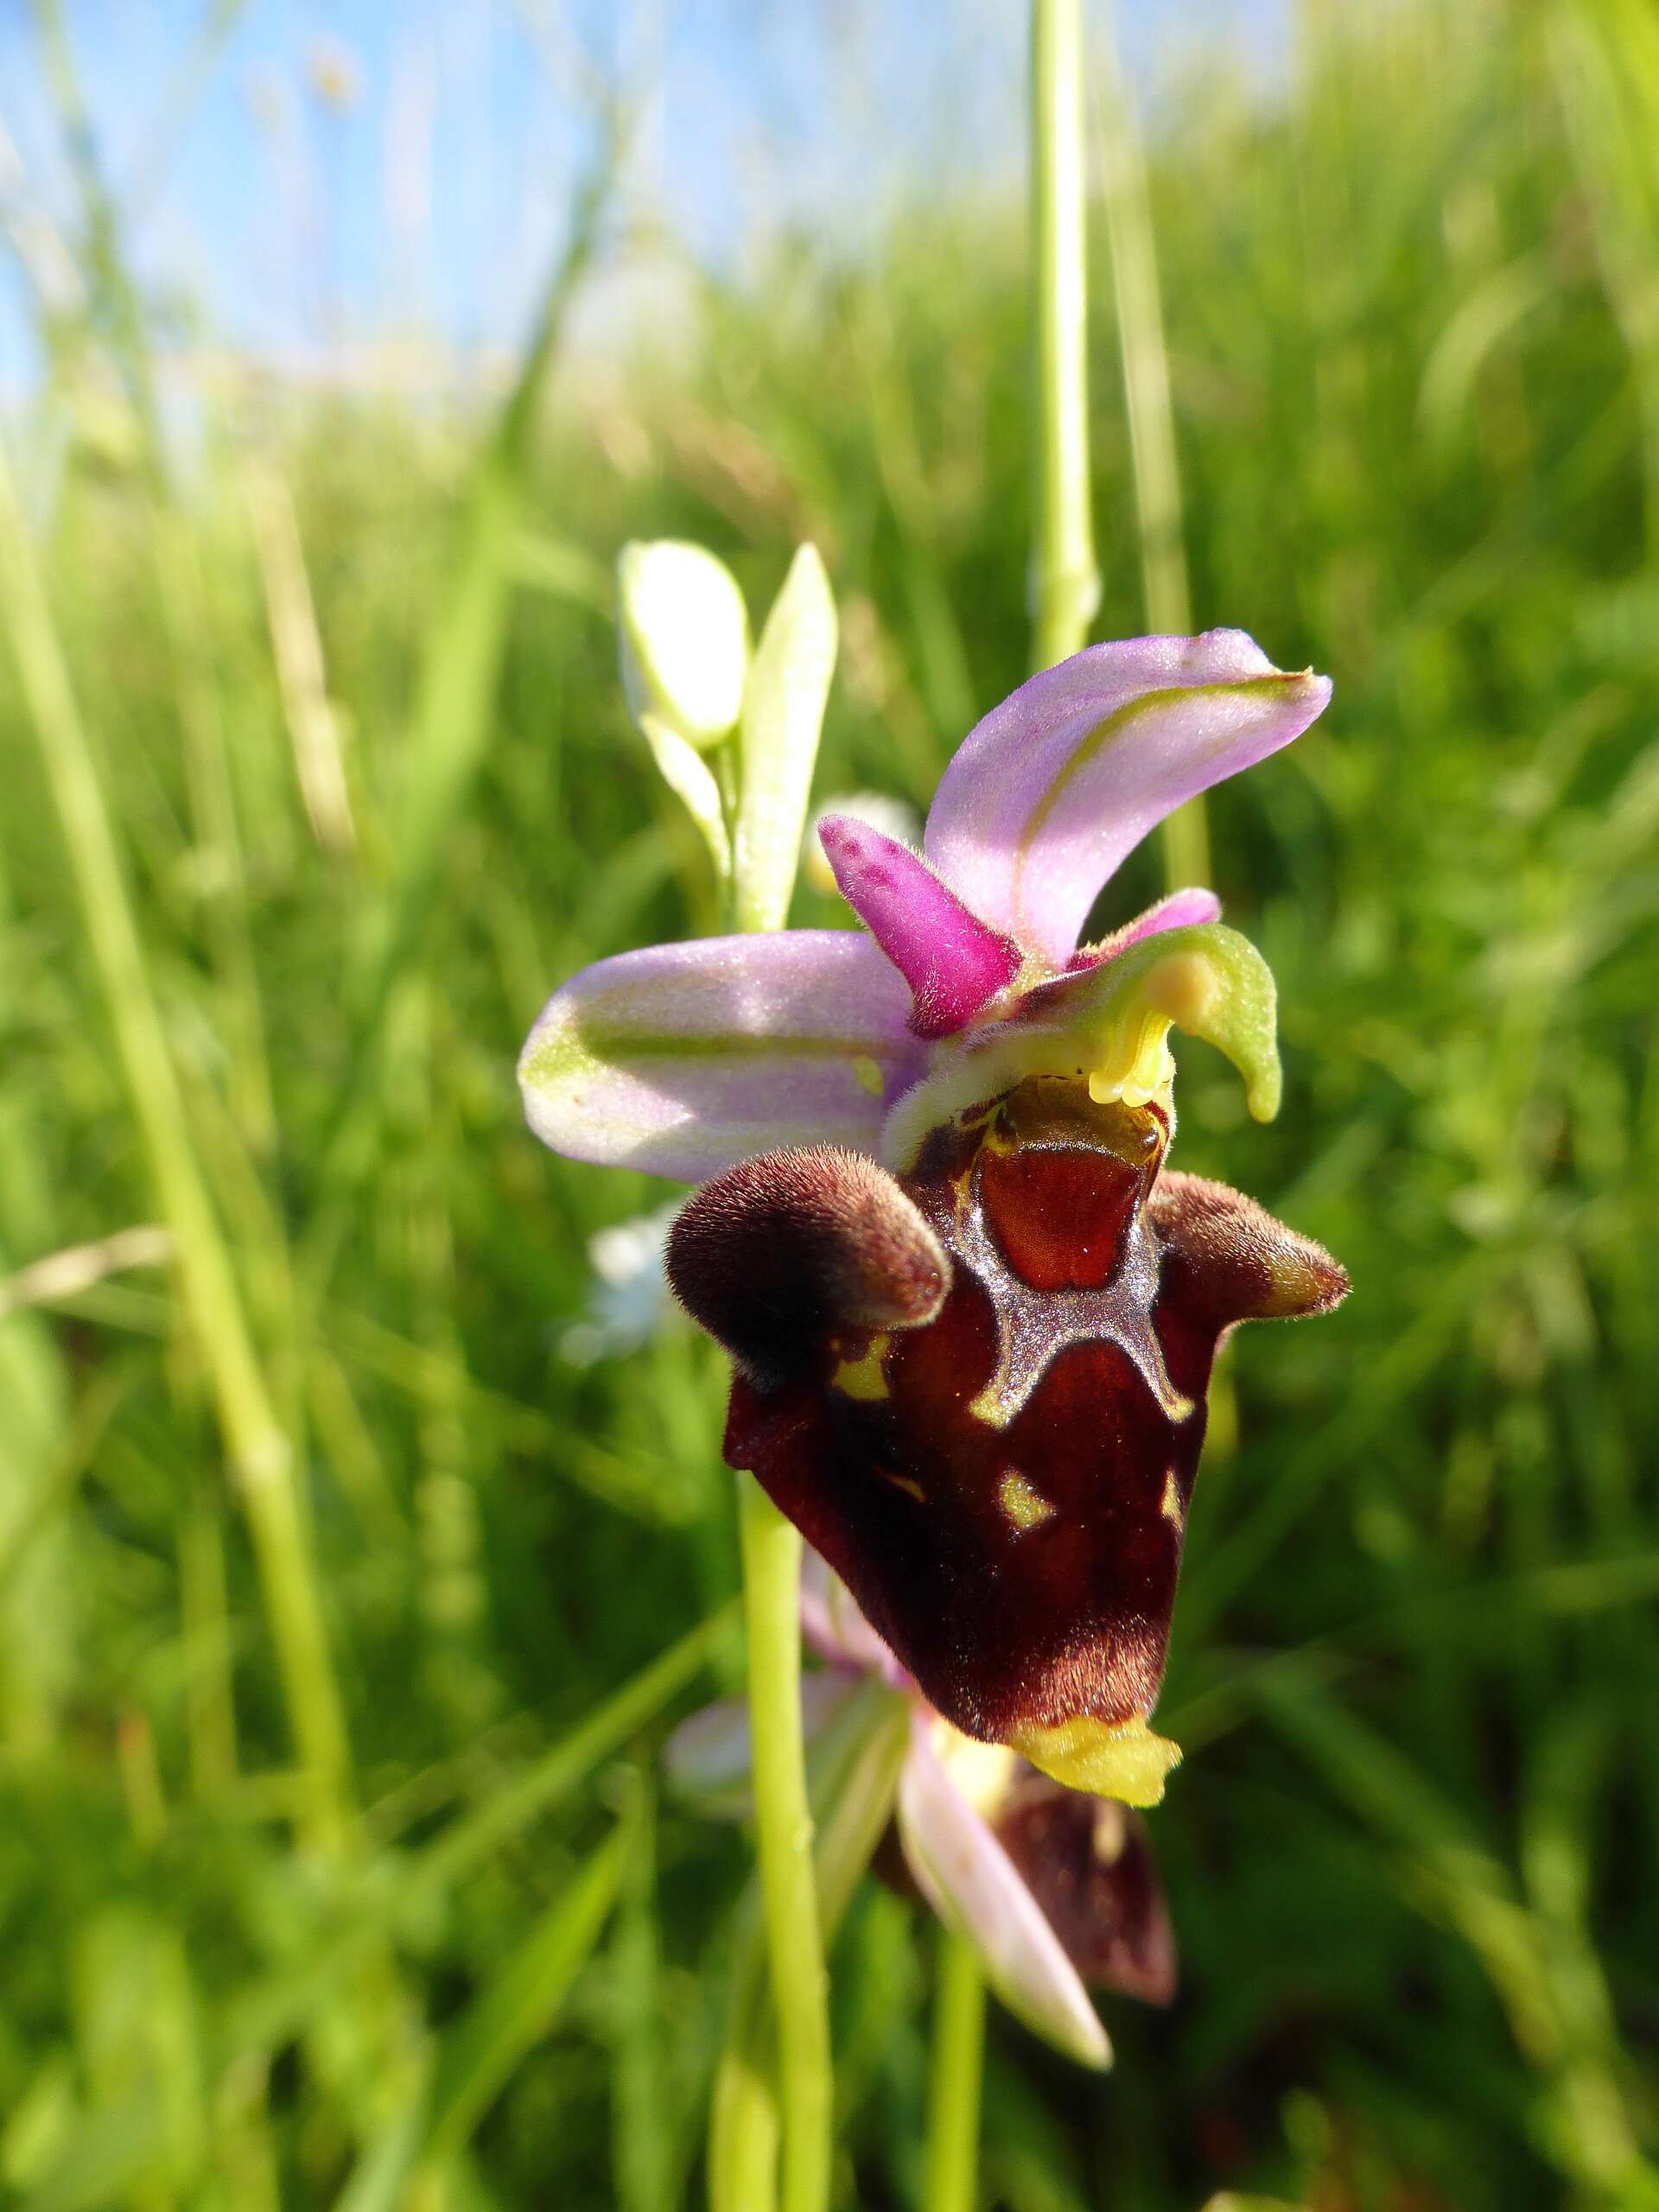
(951, 960)
(1056, 785)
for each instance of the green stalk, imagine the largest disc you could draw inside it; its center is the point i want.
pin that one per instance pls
(782, 1815)
(771, 1549)
(1156, 471)
(951, 2181)
(257, 1444)
(1065, 582)
(857, 1773)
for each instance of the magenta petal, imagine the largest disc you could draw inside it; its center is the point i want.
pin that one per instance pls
(973, 1885)
(686, 1059)
(951, 961)
(1181, 910)
(1056, 786)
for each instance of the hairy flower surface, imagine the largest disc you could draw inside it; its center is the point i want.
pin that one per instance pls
(972, 1313)
(1056, 1892)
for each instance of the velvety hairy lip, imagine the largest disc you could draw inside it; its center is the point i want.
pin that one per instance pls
(1016, 1449)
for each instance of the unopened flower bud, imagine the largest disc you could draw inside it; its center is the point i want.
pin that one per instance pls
(684, 640)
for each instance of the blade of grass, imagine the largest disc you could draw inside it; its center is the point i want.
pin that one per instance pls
(259, 1448)
(450, 726)
(477, 2057)
(525, 1796)
(641, 2146)
(515, 2010)
(1456, 1877)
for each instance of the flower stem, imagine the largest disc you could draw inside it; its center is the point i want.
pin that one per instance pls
(858, 1775)
(1065, 583)
(1154, 463)
(782, 1813)
(951, 2183)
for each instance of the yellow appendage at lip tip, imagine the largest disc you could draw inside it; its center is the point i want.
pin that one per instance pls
(1121, 1759)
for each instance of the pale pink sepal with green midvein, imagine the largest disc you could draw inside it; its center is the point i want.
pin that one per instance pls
(685, 1059)
(952, 961)
(973, 1885)
(1051, 790)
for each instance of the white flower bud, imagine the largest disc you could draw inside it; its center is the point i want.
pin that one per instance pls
(684, 640)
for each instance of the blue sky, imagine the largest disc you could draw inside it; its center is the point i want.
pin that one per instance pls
(431, 197)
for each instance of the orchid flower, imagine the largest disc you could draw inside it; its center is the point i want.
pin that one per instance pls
(972, 1315)
(1056, 1892)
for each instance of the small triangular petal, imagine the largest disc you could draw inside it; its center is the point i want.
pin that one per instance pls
(952, 961)
(1181, 910)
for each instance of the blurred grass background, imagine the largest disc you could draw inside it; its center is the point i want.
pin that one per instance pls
(335, 1600)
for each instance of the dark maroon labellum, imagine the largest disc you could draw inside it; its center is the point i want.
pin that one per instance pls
(1001, 1473)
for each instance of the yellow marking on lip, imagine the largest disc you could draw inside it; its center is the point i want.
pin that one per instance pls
(862, 1378)
(867, 1074)
(992, 1405)
(1170, 1505)
(1022, 1502)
